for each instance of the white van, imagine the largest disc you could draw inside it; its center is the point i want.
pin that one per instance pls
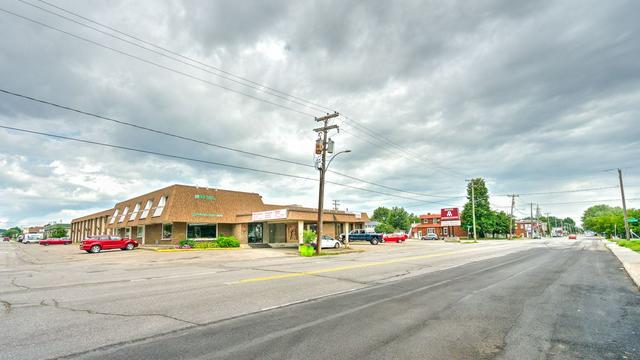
(32, 238)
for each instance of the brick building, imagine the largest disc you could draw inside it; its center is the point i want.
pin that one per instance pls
(178, 212)
(431, 223)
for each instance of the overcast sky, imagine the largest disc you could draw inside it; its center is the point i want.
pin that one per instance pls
(533, 96)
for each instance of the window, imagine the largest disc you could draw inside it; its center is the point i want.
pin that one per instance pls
(167, 230)
(431, 231)
(445, 231)
(113, 218)
(127, 232)
(135, 211)
(202, 231)
(147, 207)
(139, 232)
(124, 214)
(160, 207)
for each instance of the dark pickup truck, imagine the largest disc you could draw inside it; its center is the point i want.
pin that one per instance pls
(361, 235)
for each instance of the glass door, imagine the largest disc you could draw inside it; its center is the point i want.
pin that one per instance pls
(255, 233)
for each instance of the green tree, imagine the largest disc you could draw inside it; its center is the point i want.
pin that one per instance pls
(604, 219)
(502, 223)
(384, 228)
(399, 219)
(380, 214)
(58, 232)
(485, 217)
(13, 232)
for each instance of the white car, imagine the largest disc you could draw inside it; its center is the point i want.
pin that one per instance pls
(329, 242)
(32, 238)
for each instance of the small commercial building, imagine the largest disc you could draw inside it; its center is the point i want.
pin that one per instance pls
(524, 228)
(179, 212)
(432, 224)
(48, 229)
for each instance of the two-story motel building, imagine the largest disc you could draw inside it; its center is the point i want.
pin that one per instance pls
(178, 212)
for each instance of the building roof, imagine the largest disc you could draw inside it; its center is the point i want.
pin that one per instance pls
(430, 216)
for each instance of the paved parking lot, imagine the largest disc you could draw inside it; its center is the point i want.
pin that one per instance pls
(59, 300)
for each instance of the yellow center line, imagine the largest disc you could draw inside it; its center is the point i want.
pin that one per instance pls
(350, 267)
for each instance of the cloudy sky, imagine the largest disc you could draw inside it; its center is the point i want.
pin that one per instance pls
(533, 96)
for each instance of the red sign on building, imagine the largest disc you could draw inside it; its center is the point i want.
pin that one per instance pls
(449, 214)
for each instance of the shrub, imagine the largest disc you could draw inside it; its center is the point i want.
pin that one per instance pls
(227, 242)
(309, 236)
(187, 243)
(206, 244)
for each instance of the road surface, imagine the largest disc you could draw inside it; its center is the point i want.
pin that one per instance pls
(529, 300)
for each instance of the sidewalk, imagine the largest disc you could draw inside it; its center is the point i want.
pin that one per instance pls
(629, 259)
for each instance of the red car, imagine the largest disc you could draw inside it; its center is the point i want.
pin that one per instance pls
(52, 241)
(572, 237)
(97, 243)
(396, 238)
(6, 238)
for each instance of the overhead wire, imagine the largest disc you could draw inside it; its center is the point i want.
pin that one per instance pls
(191, 139)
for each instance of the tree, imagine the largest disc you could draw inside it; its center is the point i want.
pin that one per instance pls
(380, 214)
(13, 232)
(485, 217)
(384, 228)
(604, 219)
(58, 232)
(502, 223)
(399, 218)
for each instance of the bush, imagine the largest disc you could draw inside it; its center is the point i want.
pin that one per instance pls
(309, 236)
(206, 244)
(187, 243)
(631, 244)
(384, 228)
(227, 242)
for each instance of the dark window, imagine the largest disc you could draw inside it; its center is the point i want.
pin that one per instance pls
(202, 231)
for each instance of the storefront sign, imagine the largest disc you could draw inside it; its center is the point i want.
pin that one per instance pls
(449, 214)
(206, 215)
(451, 223)
(269, 215)
(205, 197)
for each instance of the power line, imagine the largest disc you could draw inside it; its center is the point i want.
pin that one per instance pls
(181, 137)
(252, 85)
(586, 202)
(562, 191)
(157, 64)
(186, 57)
(180, 157)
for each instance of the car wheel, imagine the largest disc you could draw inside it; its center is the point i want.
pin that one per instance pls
(129, 246)
(95, 249)
(337, 245)
(374, 241)
(45, 244)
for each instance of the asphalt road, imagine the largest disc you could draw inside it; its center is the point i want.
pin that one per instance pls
(567, 301)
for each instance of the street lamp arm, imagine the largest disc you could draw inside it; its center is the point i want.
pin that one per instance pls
(333, 157)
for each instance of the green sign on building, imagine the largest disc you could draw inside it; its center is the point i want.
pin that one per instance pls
(205, 197)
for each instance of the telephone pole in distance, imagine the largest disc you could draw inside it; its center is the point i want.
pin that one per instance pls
(512, 220)
(473, 208)
(624, 207)
(321, 145)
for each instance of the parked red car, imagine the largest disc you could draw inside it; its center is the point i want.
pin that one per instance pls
(396, 238)
(6, 238)
(52, 241)
(572, 237)
(97, 243)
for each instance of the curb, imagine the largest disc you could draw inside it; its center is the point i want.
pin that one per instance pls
(630, 260)
(188, 250)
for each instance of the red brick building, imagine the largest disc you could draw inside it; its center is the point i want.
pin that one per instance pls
(431, 223)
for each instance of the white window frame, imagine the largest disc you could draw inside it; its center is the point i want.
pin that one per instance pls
(162, 231)
(147, 207)
(160, 207)
(135, 211)
(124, 214)
(113, 218)
(431, 230)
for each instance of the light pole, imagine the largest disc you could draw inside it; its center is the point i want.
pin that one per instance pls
(323, 170)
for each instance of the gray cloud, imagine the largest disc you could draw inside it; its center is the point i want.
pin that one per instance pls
(533, 96)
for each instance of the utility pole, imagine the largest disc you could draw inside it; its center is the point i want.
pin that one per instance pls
(322, 133)
(336, 203)
(473, 208)
(531, 221)
(511, 220)
(624, 207)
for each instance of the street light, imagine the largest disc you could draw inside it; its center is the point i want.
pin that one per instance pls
(323, 170)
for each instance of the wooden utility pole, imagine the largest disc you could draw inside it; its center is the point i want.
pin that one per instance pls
(624, 207)
(323, 133)
(531, 221)
(336, 203)
(512, 220)
(548, 225)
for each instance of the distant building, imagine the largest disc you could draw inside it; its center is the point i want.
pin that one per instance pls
(524, 228)
(35, 229)
(430, 223)
(370, 226)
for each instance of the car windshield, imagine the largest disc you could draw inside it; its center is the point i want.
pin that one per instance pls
(115, 238)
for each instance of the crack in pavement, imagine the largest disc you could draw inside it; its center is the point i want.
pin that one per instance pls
(57, 305)
(13, 282)
(6, 305)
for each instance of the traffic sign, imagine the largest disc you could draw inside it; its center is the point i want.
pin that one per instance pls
(632, 220)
